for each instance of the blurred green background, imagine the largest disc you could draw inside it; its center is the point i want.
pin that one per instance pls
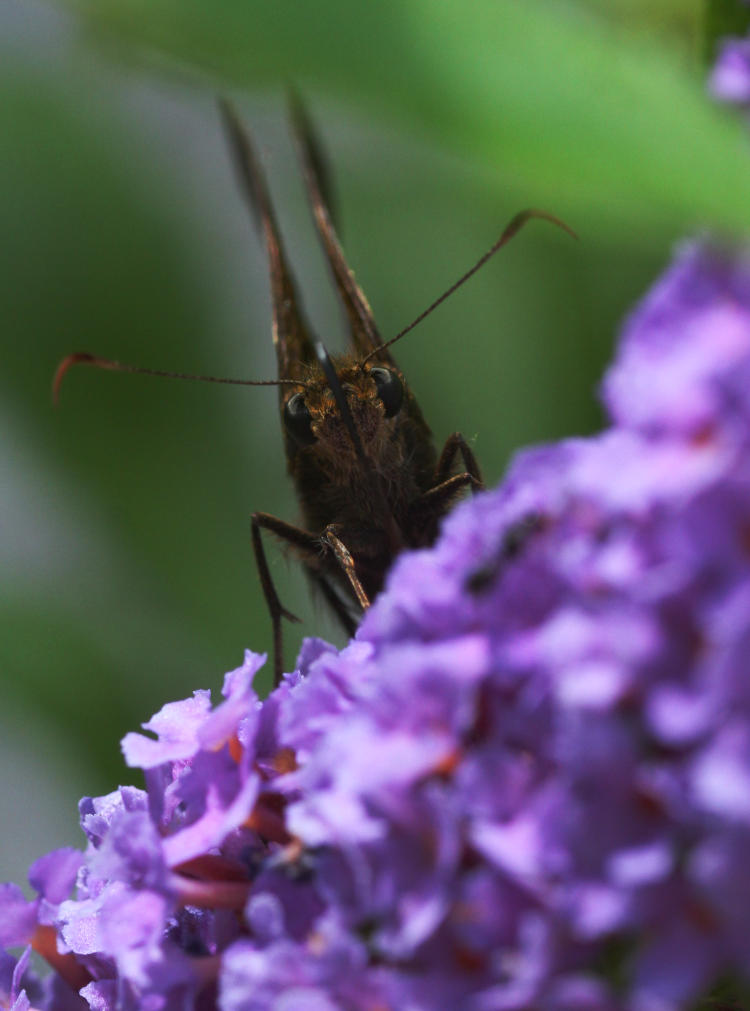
(128, 577)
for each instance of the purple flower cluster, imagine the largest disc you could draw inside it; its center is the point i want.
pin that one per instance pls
(524, 785)
(730, 78)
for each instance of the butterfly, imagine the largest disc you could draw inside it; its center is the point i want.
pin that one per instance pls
(369, 479)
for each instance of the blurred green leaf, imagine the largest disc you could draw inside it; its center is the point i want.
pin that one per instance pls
(677, 20)
(552, 103)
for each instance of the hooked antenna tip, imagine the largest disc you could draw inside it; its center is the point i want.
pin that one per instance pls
(77, 358)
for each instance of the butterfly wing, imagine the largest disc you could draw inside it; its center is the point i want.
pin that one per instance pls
(291, 333)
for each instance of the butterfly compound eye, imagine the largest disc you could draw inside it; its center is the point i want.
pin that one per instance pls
(390, 390)
(298, 420)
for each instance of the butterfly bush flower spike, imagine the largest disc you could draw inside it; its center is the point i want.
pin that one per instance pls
(524, 785)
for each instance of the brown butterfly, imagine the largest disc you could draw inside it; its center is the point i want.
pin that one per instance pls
(368, 478)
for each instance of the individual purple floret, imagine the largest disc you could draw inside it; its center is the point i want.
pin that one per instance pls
(524, 785)
(730, 77)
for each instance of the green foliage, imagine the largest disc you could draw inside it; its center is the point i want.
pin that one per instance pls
(537, 94)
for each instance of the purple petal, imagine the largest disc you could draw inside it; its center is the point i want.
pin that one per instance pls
(176, 725)
(54, 875)
(18, 916)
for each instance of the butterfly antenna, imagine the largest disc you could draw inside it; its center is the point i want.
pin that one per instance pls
(84, 358)
(511, 229)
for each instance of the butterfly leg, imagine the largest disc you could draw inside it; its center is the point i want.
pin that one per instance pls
(438, 499)
(310, 548)
(454, 445)
(335, 602)
(307, 545)
(344, 558)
